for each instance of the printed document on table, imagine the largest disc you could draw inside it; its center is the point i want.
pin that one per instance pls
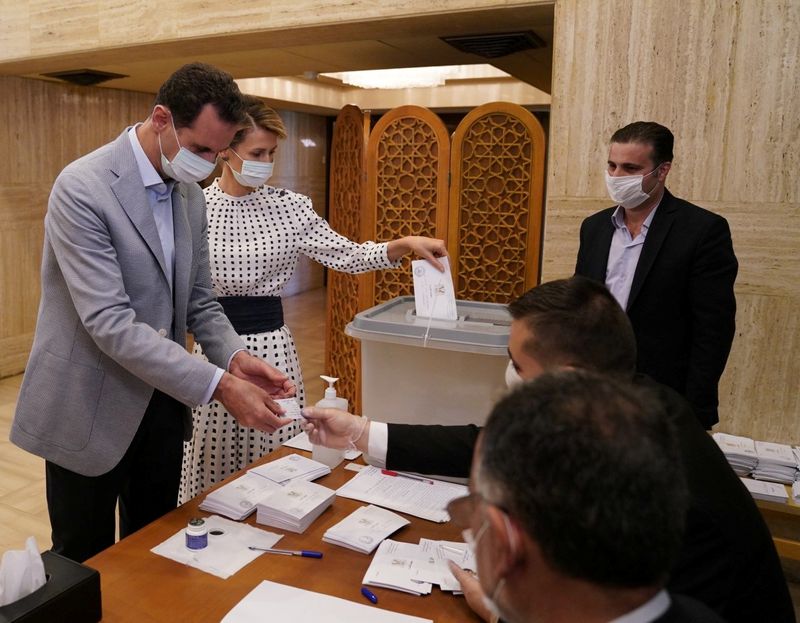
(422, 498)
(434, 295)
(278, 602)
(395, 566)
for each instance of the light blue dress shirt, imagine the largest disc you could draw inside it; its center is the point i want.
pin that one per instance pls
(623, 255)
(159, 194)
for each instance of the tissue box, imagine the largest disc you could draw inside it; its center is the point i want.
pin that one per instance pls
(72, 593)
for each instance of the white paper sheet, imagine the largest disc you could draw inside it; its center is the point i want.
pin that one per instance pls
(226, 553)
(291, 408)
(302, 442)
(434, 295)
(278, 602)
(364, 528)
(415, 497)
(289, 467)
(395, 565)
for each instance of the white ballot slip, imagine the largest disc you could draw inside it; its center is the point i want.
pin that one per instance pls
(238, 498)
(364, 528)
(291, 467)
(421, 497)
(434, 295)
(294, 506)
(227, 550)
(278, 602)
(768, 491)
(436, 571)
(302, 442)
(395, 565)
(291, 408)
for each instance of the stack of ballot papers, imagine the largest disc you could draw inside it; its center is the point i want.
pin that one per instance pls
(293, 467)
(365, 528)
(421, 497)
(227, 550)
(769, 491)
(302, 442)
(238, 498)
(294, 506)
(740, 452)
(414, 568)
(776, 462)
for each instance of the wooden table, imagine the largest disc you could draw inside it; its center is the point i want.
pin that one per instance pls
(140, 586)
(777, 512)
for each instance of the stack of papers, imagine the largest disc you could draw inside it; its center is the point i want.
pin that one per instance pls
(740, 452)
(238, 498)
(437, 570)
(294, 506)
(769, 491)
(302, 442)
(293, 467)
(776, 462)
(365, 528)
(421, 497)
(395, 565)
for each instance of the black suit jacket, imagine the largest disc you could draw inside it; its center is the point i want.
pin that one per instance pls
(681, 303)
(728, 560)
(687, 610)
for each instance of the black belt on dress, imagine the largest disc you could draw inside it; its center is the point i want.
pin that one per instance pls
(253, 314)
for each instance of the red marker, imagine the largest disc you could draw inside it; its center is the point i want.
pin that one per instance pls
(388, 472)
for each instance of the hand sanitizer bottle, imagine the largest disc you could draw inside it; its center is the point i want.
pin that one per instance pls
(330, 456)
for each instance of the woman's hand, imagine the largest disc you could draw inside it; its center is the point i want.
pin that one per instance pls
(426, 248)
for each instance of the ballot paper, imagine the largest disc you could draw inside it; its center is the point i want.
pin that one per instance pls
(238, 498)
(776, 462)
(436, 570)
(395, 565)
(291, 467)
(302, 442)
(291, 408)
(739, 451)
(227, 550)
(364, 529)
(434, 295)
(278, 602)
(769, 491)
(294, 506)
(424, 498)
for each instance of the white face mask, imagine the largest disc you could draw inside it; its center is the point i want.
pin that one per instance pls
(512, 376)
(627, 190)
(254, 172)
(489, 601)
(186, 166)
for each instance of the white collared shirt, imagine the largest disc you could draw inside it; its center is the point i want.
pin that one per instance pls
(648, 611)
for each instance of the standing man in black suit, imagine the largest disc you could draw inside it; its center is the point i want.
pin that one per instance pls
(670, 265)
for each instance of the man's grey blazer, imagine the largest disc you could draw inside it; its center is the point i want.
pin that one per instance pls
(109, 329)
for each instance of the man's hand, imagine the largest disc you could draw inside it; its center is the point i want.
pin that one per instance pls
(472, 590)
(250, 405)
(260, 373)
(334, 428)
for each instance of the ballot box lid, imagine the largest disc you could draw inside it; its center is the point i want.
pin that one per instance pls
(480, 328)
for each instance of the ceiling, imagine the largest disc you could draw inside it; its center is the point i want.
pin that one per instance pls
(375, 44)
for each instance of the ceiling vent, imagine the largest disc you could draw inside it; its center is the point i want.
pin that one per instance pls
(495, 45)
(84, 77)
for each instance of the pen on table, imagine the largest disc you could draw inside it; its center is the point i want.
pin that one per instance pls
(369, 594)
(306, 553)
(388, 472)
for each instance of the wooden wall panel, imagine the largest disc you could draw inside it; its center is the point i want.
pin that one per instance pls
(43, 127)
(725, 77)
(495, 211)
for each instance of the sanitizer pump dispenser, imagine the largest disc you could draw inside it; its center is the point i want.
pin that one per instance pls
(329, 456)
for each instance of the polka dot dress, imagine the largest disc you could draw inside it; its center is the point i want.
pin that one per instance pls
(254, 245)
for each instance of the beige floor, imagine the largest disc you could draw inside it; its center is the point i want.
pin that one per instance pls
(23, 509)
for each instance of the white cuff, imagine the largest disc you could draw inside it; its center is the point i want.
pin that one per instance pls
(377, 444)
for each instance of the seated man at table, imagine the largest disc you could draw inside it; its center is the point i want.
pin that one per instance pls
(577, 505)
(728, 560)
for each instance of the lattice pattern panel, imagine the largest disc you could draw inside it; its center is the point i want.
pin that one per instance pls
(495, 215)
(342, 353)
(407, 180)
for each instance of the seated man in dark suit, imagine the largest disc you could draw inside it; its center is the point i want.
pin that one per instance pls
(669, 264)
(577, 505)
(728, 560)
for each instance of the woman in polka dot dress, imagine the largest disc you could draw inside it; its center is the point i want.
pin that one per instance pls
(256, 234)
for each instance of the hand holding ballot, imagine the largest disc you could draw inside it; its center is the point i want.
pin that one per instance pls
(427, 248)
(334, 428)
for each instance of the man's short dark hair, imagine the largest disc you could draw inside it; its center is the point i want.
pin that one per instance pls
(650, 133)
(589, 466)
(193, 86)
(577, 322)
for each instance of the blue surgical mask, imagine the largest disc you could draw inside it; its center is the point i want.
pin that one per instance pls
(186, 166)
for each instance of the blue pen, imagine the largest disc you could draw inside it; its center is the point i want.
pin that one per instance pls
(369, 594)
(305, 553)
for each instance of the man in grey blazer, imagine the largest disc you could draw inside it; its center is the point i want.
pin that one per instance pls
(107, 389)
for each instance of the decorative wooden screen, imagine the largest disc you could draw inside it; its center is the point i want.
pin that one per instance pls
(407, 167)
(497, 174)
(346, 207)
